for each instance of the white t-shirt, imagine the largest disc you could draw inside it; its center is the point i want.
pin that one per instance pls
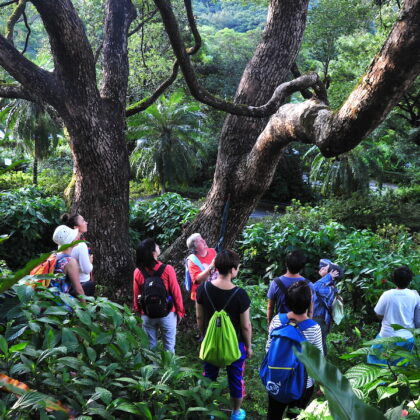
(398, 306)
(81, 254)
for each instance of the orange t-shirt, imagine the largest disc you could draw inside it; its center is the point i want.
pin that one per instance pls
(195, 270)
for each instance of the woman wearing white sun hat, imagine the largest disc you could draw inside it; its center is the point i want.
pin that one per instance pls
(66, 265)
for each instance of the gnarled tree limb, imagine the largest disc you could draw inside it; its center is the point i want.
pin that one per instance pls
(388, 77)
(145, 103)
(13, 19)
(149, 17)
(171, 26)
(15, 91)
(38, 81)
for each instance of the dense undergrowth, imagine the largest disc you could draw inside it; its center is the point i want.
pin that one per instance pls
(94, 358)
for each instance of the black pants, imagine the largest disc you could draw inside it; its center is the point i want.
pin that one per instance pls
(276, 408)
(88, 288)
(325, 329)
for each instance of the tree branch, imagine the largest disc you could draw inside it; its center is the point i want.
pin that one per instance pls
(8, 3)
(13, 19)
(389, 76)
(14, 91)
(150, 16)
(28, 34)
(34, 79)
(193, 27)
(145, 103)
(71, 50)
(172, 29)
(119, 15)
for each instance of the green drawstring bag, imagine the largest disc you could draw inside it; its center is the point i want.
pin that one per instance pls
(220, 344)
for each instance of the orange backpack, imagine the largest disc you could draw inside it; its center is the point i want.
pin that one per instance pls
(46, 267)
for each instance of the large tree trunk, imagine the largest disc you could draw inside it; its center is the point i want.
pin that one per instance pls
(268, 68)
(101, 195)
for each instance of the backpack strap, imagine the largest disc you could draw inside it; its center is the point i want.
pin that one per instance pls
(230, 298)
(194, 259)
(157, 273)
(284, 319)
(304, 325)
(160, 270)
(228, 301)
(280, 285)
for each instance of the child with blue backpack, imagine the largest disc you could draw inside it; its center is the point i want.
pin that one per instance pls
(286, 393)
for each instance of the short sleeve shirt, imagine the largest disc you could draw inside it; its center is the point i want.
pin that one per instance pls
(196, 270)
(238, 305)
(274, 293)
(397, 306)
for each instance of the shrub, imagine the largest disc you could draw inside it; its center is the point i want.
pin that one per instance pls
(52, 182)
(161, 218)
(12, 180)
(370, 212)
(30, 219)
(264, 247)
(94, 358)
(369, 260)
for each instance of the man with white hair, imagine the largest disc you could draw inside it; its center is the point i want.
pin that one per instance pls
(200, 262)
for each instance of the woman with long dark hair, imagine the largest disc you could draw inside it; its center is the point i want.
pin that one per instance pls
(148, 266)
(81, 252)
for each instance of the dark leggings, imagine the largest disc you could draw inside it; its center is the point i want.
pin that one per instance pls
(276, 408)
(88, 288)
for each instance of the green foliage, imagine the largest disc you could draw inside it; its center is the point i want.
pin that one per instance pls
(327, 21)
(161, 218)
(223, 57)
(30, 219)
(369, 260)
(345, 174)
(375, 210)
(265, 245)
(12, 180)
(50, 181)
(94, 359)
(234, 14)
(389, 385)
(343, 402)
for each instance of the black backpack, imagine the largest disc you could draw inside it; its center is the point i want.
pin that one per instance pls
(154, 299)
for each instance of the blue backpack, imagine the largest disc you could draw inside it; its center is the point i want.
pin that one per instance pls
(197, 262)
(282, 373)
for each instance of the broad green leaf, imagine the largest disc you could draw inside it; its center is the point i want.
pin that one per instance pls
(386, 392)
(144, 411)
(3, 345)
(69, 339)
(18, 347)
(129, 408)
(104, 394)
(343, 403)
(56, 310)
(84, 317)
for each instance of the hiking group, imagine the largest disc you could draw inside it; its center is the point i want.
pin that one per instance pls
(297, 311)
